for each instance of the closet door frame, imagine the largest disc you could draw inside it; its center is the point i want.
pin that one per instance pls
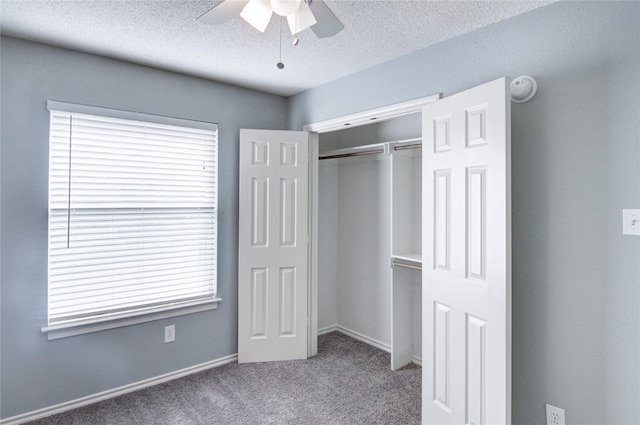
(340, 123)
(494, 400)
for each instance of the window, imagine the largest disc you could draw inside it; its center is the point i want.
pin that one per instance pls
(132, 216)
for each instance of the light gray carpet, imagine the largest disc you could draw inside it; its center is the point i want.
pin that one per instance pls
(349, 382)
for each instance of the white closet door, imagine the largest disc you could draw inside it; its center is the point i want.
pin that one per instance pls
(467, 258)
(272, 246)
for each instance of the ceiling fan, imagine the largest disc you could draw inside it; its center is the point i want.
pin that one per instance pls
(300, 14)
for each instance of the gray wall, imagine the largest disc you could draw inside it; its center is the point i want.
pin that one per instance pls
(576, 165)
(37, 373)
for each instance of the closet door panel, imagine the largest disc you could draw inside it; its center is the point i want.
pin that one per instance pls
(259, 305)
(476, 209)
(467, 253)
(259, 212)
(272, 246)
(288, 212)
(442, 219)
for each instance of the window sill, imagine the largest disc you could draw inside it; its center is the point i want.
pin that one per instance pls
(64, 330)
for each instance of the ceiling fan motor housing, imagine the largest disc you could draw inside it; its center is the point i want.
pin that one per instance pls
(285, 7)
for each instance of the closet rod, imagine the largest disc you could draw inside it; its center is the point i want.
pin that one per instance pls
(403, 147)
(406, 266)
(360, 153)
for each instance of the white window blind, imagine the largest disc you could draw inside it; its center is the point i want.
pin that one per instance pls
(132, 216)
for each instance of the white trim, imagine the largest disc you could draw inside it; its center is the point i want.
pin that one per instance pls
(356, 335)
(373, 115)
(125, 389)
(370, 341)
(312, 257)
(365, 339)
(328, 329)
(78, 108)
(115, 392)
(65, 330)
(339, 123)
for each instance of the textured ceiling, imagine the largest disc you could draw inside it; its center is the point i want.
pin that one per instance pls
(165, 34)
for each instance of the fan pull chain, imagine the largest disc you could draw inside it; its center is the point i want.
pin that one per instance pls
(280, 65)
(296, 40)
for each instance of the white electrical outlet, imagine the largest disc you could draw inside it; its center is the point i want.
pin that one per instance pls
(631, 222)
(169, 333)
(555, 415)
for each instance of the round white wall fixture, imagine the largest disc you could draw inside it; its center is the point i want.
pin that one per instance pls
(523, 88)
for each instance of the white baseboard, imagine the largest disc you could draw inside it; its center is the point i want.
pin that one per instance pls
(115, 392)
(355, 335)
(328, 329)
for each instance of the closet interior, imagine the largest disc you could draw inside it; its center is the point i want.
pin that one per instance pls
(369, 235)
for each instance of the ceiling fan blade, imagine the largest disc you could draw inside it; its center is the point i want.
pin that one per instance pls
(223, 12)
(302, 19)
(258, 14)
(328, 25)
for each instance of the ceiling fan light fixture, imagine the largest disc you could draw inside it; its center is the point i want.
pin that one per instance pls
(257, 13)
(285, 7)
(302, 19)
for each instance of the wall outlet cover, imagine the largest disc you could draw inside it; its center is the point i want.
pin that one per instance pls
(555, 415)
(631, 222)
(169, 333)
